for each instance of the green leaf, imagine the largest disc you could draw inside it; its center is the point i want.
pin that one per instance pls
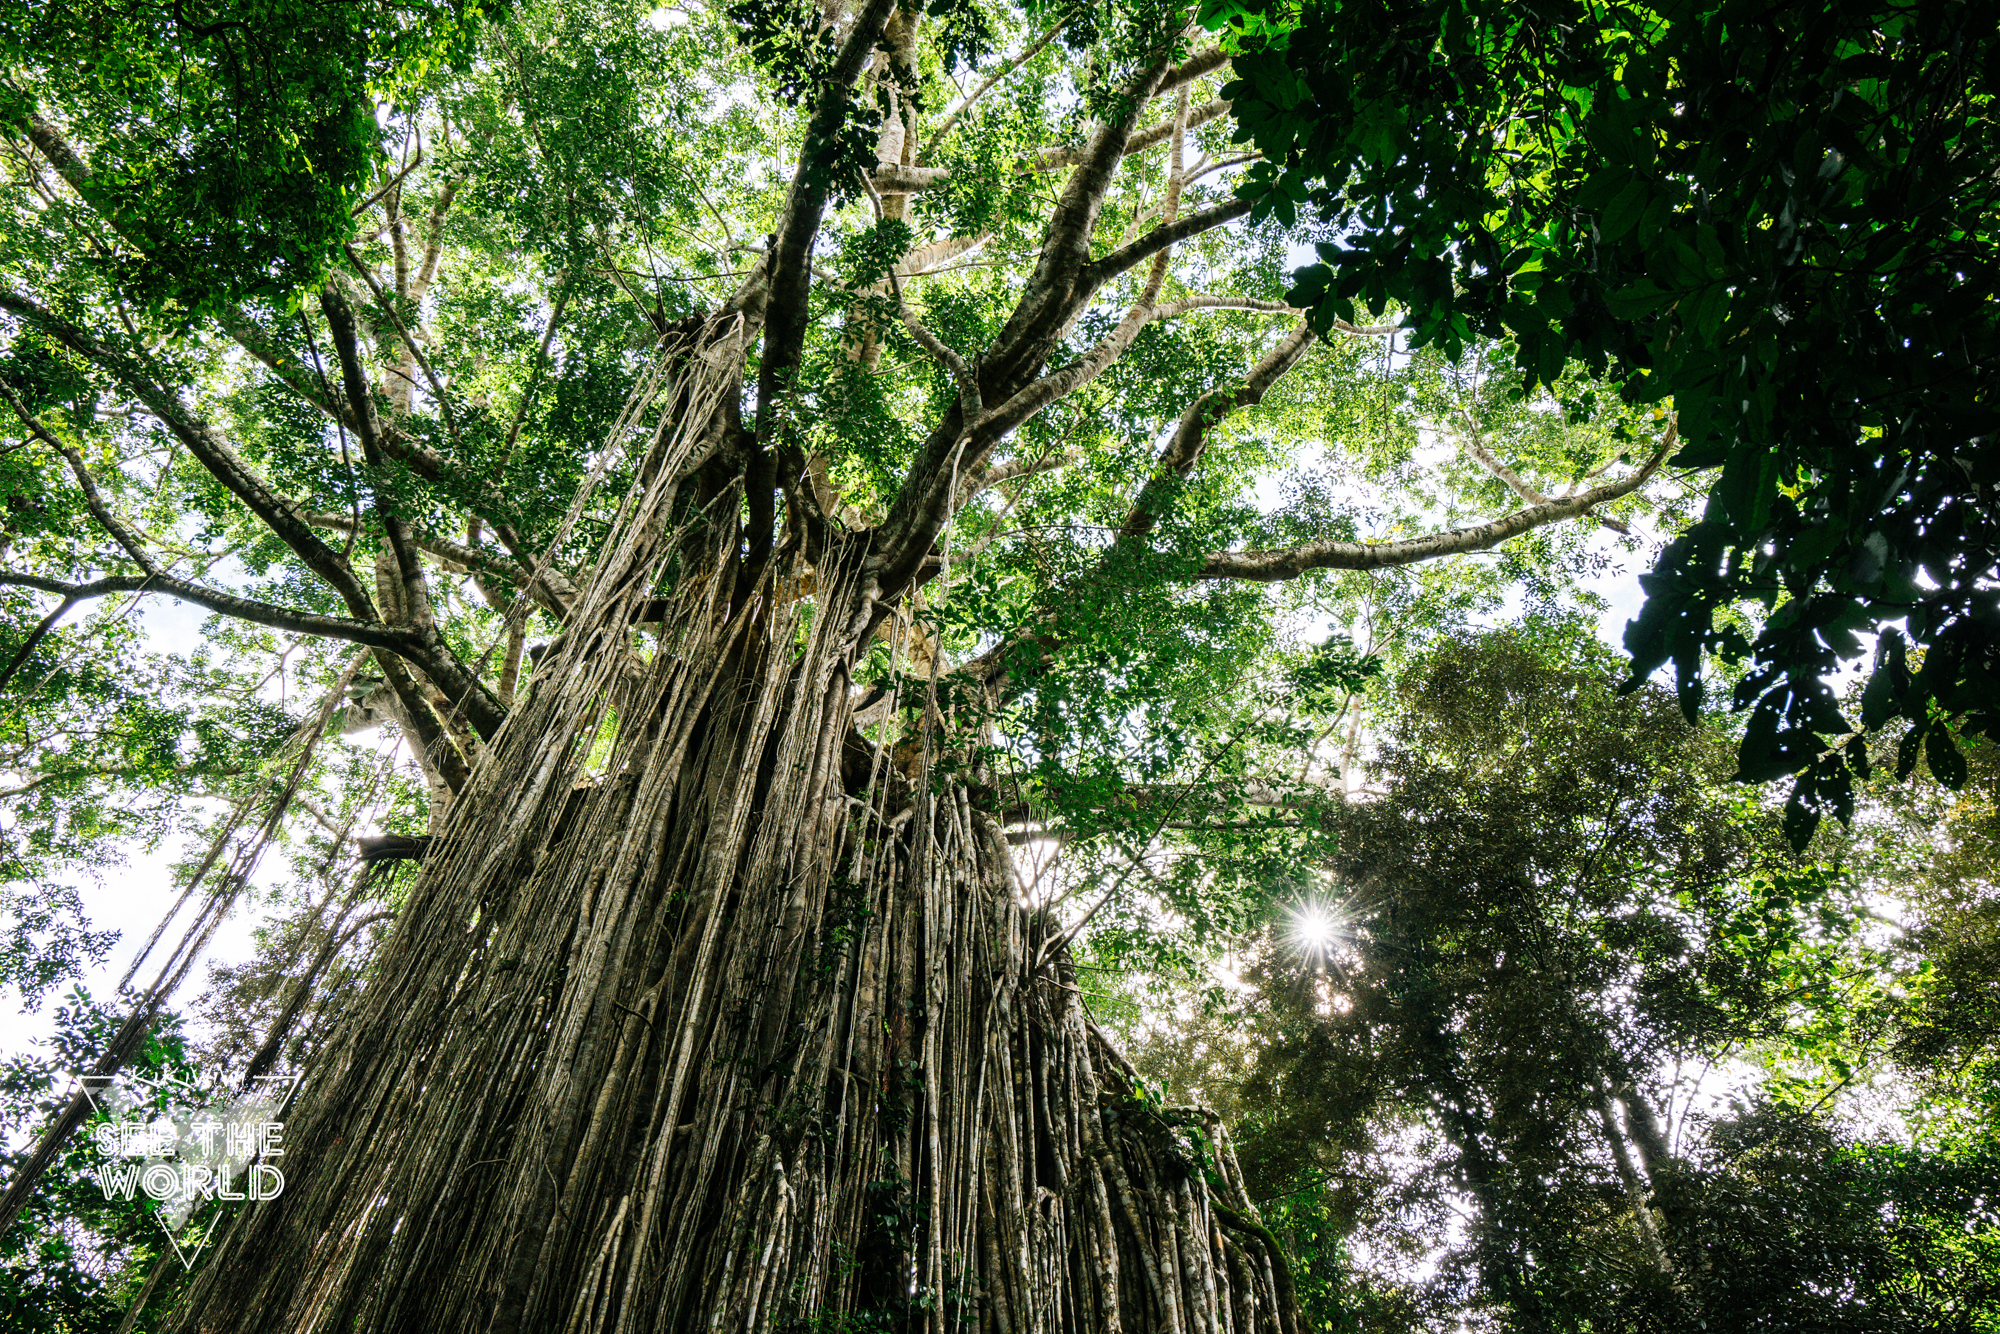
(1947, 765)
(1642, 298)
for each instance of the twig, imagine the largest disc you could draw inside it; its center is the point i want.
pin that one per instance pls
(951, 119)
(395, 181)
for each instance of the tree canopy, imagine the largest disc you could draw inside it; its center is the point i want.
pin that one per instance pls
(378, 443)
(375, 334)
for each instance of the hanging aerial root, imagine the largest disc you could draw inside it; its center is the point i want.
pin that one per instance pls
(679, 1032)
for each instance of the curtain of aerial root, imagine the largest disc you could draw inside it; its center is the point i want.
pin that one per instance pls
(677, 1032)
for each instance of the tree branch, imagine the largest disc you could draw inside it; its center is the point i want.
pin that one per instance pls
(1061, 282)
(434, 242)
(893, 179)
(1054, 159)
(433, 656)
(541, 363)
(110, 522)
(1194, 224)
(416, 600)
(1195, 66)
(388, 307)
(961, 373)
(372, 200)
(994, 668)
(1291, 562)
(1190, 436)
(1176, 308)
(1514, 482)
(55, 146)
(277, 513)
(46, 624)
(952, 117)
(238, 325)
(1062, 279)
(1001, 473)
(372, 633)
(789, 278)
(552, 590)
(486, 503)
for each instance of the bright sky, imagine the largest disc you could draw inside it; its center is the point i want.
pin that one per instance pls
(130, 899)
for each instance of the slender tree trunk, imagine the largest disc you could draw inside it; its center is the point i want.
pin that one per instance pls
(703, 1015)
(1635, 1189)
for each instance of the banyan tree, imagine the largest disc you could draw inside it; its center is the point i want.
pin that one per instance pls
(728, 445)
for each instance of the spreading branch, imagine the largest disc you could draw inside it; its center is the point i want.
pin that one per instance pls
(409, 340)
(1201, 63)
(961, 372)
(237, 323)
(110, 522)
(894, 179)
(1058, 288)
(1191, 433)
(787, 276)
(414, 599)
(953, 116)
(553, 590)
(434, 657)
(1053, 159)
(1001, 473)
(43, 626)
(1514, 482)
(1173, 309)
(374, 634)
(1167, 234)
(1271, 566)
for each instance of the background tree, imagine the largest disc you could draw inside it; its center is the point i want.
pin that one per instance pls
(1478, 1051)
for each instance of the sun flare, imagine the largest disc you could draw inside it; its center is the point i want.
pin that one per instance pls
(1313, 929)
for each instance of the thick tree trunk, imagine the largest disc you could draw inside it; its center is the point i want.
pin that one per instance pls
(703, 1015)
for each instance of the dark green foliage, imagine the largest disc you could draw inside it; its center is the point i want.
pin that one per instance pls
(788, 42)
(1785, 1223)
(227, 142)
(1334, 670)
(1783, 219)
(45, 939)
(965, 34)
(796, 51)
(1940, 849)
